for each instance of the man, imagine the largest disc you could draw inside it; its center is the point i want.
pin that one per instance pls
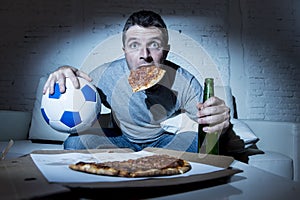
(137, 115)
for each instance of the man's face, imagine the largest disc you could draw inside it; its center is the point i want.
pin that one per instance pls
(144, 46)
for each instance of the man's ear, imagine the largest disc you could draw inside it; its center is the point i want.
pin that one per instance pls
(168, 47)
(123, 49)
(166, 51)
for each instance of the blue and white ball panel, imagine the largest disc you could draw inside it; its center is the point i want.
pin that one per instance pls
(89, 94)
(69, 122)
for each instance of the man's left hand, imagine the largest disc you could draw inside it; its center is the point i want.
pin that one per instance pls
(215, 114)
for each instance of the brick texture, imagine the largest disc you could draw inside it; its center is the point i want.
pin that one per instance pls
(271, 59)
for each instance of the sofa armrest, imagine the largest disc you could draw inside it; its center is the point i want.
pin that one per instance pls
(14, 125)
(281, 137)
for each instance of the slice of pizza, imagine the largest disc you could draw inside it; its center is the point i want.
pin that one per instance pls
(154, 165)
(145, 77)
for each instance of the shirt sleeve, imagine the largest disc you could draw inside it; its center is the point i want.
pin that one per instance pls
(192, 96)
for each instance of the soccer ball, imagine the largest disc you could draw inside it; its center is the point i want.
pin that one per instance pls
(74, 110)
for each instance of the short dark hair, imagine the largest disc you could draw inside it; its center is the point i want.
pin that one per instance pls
(146, 18)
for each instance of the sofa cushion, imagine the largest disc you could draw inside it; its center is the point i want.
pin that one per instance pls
(14, 125)
(39, 129)
(273, 162)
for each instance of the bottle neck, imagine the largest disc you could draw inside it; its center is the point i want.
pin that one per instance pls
(208, 88)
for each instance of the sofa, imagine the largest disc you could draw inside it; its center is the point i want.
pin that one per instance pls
(278, 140)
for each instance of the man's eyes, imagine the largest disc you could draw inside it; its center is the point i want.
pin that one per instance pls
(152, 45)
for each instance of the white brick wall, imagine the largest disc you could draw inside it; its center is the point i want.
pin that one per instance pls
(271, 59)
(38, 36)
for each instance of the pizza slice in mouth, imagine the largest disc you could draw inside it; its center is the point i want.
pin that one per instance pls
(145, 77)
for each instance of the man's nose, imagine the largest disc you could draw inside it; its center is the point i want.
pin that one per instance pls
(145, 53)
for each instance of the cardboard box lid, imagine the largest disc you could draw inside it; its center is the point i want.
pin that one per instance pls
(26, 181)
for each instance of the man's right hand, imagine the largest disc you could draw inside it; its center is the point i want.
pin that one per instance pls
(60, 76)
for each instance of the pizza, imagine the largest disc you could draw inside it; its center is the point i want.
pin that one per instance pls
(147, 166)
(145, 77)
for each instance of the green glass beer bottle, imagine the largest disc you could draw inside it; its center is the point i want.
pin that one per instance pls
(207, 142)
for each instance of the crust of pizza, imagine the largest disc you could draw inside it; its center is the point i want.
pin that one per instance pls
(155, 165)
(145, 77)
(93, 168)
